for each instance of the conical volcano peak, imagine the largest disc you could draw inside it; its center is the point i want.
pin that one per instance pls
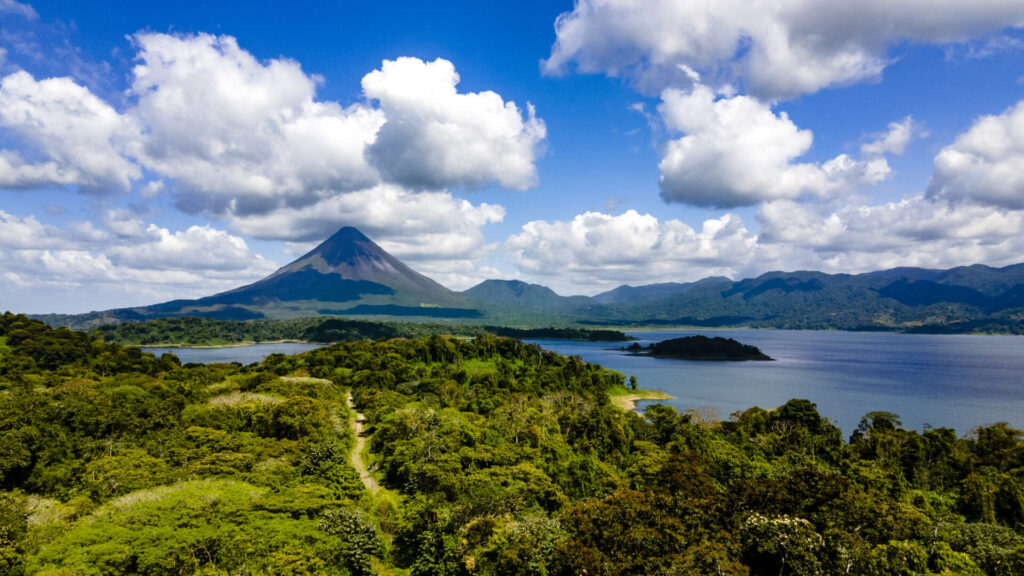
(347, 234)
(350, 255)
(347, 246)
(346, 274)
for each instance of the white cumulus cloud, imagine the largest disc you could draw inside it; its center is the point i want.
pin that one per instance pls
(736, 151)
(243, 136)
(240, 136)
(596, 251)
(914, 231)
(124, 223)
(80, 267)
(74, 137)
(776, 49)
(25, 232)
(435, 137)
(894, 141)
(986, 163)
(196, 248)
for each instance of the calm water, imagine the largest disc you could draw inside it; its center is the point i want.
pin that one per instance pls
(955, 381)
(942, 380)
(243, 354)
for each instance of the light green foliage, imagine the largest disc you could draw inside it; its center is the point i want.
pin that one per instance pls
(127, 471)
(180, 528)
(896, 558)
(948, 562)
(525, 546)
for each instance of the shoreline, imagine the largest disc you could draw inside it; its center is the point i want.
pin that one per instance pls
(627, 402)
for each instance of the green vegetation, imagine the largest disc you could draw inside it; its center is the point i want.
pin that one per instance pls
(496, 457)
(975, 299)
(700, 348)
(191, 331)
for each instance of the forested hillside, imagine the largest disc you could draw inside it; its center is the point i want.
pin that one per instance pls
(967, 299)
(494, 457)
(191, 331)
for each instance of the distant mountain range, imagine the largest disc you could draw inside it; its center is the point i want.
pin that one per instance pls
(965, 299)
(350, 275)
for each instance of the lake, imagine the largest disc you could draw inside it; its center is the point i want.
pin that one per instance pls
(941, 380)
(243, 354)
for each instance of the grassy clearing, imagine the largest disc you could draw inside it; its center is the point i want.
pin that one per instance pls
(243, 398)
(626, 398)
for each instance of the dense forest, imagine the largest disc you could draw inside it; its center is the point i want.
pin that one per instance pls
(493, 457)
(193, 331)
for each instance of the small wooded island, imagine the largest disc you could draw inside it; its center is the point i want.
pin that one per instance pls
(700, 348)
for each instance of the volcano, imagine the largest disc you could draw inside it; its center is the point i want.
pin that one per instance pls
(348, 274)
(345, 268)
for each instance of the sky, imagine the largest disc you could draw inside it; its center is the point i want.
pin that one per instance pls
(153, 151)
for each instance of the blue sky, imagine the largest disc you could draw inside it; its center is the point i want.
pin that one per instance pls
(151, 151)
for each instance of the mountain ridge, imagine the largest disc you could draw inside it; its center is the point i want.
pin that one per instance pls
(965, 298)
(349, 275)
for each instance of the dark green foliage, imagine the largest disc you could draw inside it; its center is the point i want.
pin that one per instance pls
(516, 294)
(358, 538)
(194, 331)
(396, 310)
(974, 299)
(497, 458)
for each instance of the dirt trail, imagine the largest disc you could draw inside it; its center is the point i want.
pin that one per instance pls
(356, 423)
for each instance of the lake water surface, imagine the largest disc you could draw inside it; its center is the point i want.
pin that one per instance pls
(941, 380)
(243, 354)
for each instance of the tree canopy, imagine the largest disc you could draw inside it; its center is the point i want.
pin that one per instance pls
(495, 457)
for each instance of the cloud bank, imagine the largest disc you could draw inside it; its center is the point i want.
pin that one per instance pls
(76, 266)
(776, 50)
(242, 137)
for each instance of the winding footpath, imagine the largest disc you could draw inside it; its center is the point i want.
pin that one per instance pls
(356, 423)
